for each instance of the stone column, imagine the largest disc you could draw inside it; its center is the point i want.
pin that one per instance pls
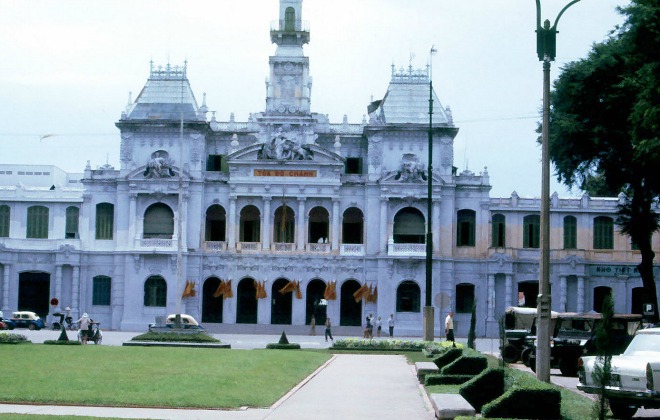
(75, 291)
(132, 220)
(383, 225)
(231, 225)
(336, 220)
(436, 224)
(6, 268)
(58, 282)
(266, 224)
(508, 290)
(301, 218)
(562, 293)
(491, 298)
(580, 294)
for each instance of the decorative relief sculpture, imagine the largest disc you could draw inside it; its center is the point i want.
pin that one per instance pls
(159, 165)
(411, 169)
(282, 148)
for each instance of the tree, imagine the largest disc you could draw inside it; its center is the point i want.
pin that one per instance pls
(604, 126)
(473, 325)
(603, 367)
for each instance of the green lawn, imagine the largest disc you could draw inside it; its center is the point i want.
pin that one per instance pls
(158, 377)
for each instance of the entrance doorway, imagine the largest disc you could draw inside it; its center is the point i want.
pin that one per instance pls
(528, 291)
(280, 312)
(246, 302)
(34, 292)
(315, 291)
(211, 306)
(350, 311)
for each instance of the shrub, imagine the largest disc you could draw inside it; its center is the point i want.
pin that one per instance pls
(176, 337)
(283, 346)
(539, 402)
(483, 388)
(447, 357)
(11, 338)
(62, 342)
(440, 379)
(466, 365)
(395, 345)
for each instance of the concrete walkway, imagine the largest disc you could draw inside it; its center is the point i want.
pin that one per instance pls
(347, 387)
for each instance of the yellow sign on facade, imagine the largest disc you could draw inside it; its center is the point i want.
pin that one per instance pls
(286, 172)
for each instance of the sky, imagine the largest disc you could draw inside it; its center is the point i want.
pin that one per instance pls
(67, 67)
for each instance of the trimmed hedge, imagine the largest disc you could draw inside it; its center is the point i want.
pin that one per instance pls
(284, 346)
(13, 338)
(447, 357)
(466, 365)
(440, 379)
(387, 345)
(63, 342)
(542, 402)
(176, 337)
(483, 388)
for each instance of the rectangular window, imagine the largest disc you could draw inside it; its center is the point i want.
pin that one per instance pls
(464, 298)
(603, 232)
(531, 231)
(71, 228)
(102, 290)
(499, 231)
(105, 214)
(354, 166)
(570, 232)
(37, 222)
(465, 231)
(4, 221)
(217, 163)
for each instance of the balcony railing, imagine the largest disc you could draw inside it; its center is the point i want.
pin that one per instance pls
(248, 247)
(413, 250)
(156, 243)
(215, 246)
(352, 249)
(318, 248)
(283, 247)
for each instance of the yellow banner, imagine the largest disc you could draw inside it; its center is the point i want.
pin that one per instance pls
(286, 172)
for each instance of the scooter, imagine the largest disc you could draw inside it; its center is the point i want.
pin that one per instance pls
(93, 333)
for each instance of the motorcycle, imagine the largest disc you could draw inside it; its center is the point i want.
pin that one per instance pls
(63, 319)
(93, 333)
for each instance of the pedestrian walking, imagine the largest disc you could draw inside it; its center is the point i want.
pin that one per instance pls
(85, 326)
(368, 328)
(328, 329)
(390, 324)
(312, 323)
(449, 327)
(379, 326)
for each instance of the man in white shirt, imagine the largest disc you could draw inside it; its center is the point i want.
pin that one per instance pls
(449, 326)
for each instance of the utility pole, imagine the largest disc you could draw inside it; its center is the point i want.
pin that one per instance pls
(546, 43)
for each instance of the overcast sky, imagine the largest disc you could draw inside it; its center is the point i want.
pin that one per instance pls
(66, 68)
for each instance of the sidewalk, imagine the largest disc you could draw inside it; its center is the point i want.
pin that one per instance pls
(347, 387)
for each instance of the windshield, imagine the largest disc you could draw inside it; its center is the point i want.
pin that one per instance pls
(643, 343)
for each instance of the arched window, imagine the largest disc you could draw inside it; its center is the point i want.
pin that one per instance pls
(4, 221)
(570, 232)
(319, 222)
(352, 227)
(37, 222)
(101, 291)
(284, 226)
(71, 225)
(158, 222)
(155, 291)
(105, 217)
(215, 223)
(531, 231)
(499, 231)
(603, 232)
(600, 293)
(290, 19)
(409, 227)
(464, 298)
(465, 228)
(250, 224)
(408, 297)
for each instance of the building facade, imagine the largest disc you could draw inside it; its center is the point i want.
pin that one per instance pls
(288, 216)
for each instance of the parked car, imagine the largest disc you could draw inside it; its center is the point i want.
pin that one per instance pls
(518, 325)
(574, 336)
(7, 324)
(188, 322)
(27, 319)
(635, 380)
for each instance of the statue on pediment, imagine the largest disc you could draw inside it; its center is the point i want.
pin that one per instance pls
(283, 148)
(159, 165)
(411, 169)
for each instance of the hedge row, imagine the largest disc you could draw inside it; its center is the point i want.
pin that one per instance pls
(525, 403)
(283, 346)
(466, 365)
(440, 379)
(483, 388)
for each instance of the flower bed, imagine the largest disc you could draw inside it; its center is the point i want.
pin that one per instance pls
(387, 345)
(11, 338)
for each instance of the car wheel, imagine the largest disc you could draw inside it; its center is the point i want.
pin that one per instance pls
(509, 353)
(32, 327)
(621, 409)
(524, 356)
(568, 366)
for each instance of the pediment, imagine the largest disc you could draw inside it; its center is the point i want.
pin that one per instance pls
(397, 178)
(313, 154)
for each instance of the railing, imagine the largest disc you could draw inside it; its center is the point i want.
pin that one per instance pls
(283, 247)
(156, 243)
(289, 25)
(215, 246)
(248, 247)
(407, 249)
(352, 249)
(318, 248)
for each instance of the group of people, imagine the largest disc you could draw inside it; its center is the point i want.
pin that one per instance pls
(328, 328)
(370, 323)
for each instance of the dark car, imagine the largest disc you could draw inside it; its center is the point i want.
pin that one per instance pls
(27, 319)
(7, 324)
(574, 337)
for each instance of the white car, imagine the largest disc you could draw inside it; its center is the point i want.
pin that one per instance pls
(635, 379)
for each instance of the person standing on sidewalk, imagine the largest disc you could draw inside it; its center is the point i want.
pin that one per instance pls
(313, 326)
(328, 331)
(449, 327)
(379, 326)
(390, 324)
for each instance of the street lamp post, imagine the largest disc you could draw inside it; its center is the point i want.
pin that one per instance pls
(428, 307)
(546, 37)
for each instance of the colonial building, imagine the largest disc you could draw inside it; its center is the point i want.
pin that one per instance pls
(289, 200)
